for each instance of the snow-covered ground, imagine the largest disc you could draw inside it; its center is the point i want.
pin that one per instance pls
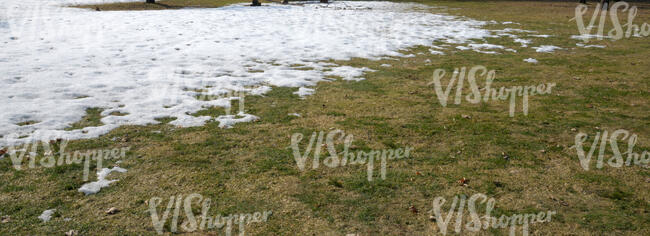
(55, 62)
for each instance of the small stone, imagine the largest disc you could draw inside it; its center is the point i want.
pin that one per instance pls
(6, 219)
(71, 233)
(466, 117)
(574, 129)
(432, 218)
(542, 151)
(112, 211)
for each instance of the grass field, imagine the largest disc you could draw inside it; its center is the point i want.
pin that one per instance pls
(525, 162)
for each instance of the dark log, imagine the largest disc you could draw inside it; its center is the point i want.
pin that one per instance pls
(256, 3)
(151, 1)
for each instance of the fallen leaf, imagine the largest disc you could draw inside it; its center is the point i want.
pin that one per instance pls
(413, 209)
(463, 181)
(418, 173)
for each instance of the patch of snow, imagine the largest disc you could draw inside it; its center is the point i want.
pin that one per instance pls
(435, 52)
(588, 36)
(485, 52)
(94, 187)
(228, 121)
(508, 30)
(485, 46)
(590, 46)
(524, 42)
(149, 64)
(510, 50)
(303, 92)
(348, 72)
(546, 48)
(462, 48)
(386, 65)
(531, 60)
(540, 35)
(46, 215)
(294, 114)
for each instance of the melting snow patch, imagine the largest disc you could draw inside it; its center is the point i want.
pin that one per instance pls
(149, 64)
(524, 42)
(228, 121)
(348, 72)
(531, 60)
(294, 114)
(46, 215)
(386, 65)
(435, 52)
(94, 187)
(540, 35)
(589, 46)
(546, 48)
(508, 30)
(303, 92)
(588, 36)
(485, 46)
